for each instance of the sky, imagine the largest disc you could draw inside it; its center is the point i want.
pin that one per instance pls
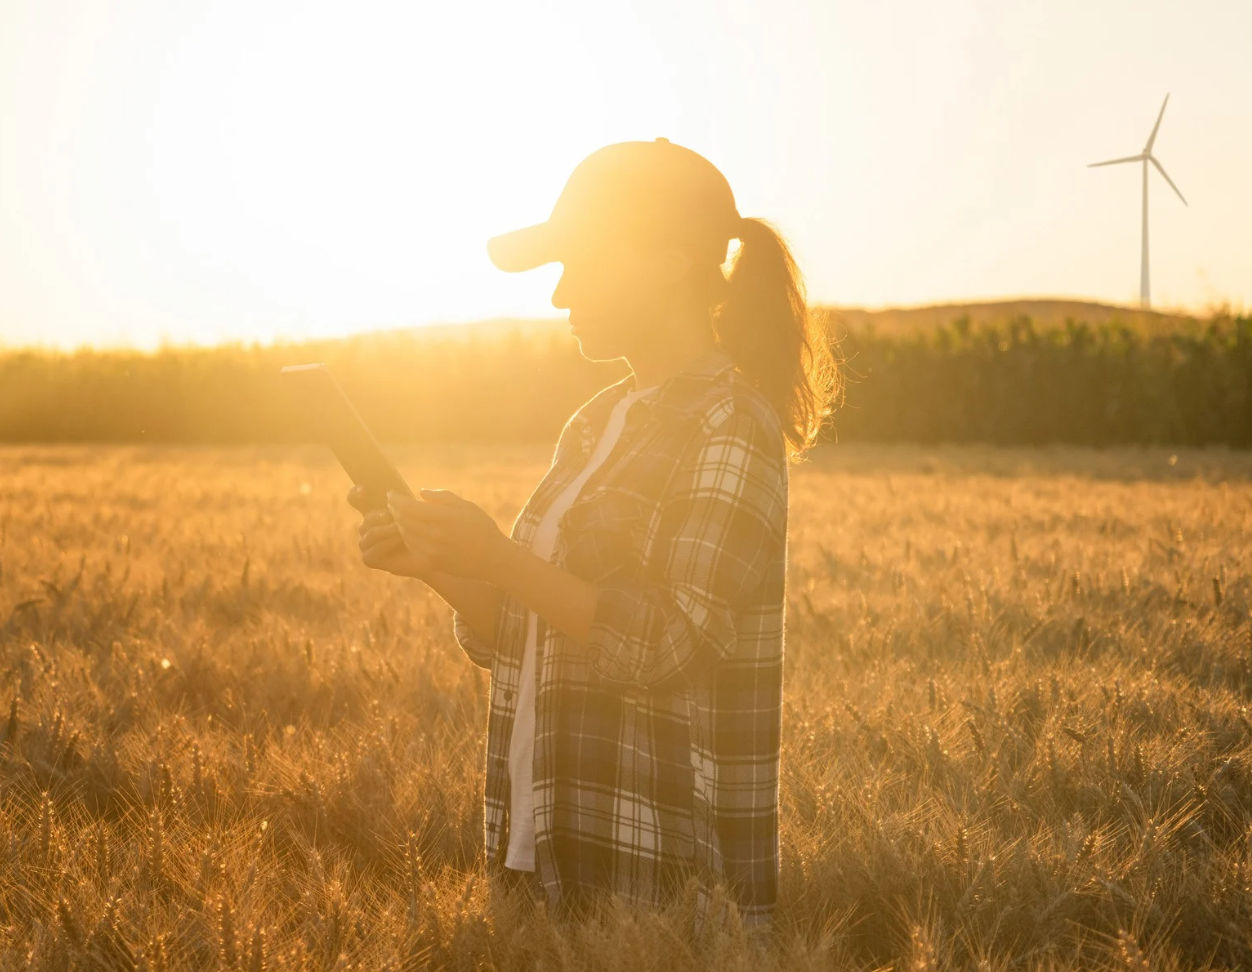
(185, 171)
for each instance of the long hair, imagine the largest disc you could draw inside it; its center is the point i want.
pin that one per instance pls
(761, 317)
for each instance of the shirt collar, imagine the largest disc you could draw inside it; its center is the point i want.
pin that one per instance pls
(683, 389)
(677, 394)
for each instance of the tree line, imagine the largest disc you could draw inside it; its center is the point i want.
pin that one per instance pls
(1007, 382)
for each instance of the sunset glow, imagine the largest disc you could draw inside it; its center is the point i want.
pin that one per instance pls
(210, 171)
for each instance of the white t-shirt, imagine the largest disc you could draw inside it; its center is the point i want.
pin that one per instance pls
(521, 852)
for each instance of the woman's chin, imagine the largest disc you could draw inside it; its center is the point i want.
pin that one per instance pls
(595, 350)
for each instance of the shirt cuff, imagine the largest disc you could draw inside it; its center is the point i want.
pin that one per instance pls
(644, 637)
(480, 650)
(609, 639)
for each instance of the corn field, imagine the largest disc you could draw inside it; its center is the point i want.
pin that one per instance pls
(1016, 726)
(1003, 380)
(1013, 383)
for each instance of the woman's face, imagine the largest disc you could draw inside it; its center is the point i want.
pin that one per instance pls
(616, 295)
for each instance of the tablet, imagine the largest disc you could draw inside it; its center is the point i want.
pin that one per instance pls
(331, 418)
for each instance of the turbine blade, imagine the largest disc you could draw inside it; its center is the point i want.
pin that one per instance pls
(1129, 158)
(1147, 149)
(1161, 169)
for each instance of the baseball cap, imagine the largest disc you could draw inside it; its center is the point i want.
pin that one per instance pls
(647, 192)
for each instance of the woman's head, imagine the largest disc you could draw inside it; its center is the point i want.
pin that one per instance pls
(642, 230)
(626, 299)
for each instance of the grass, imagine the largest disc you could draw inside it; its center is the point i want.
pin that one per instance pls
(1016, 732)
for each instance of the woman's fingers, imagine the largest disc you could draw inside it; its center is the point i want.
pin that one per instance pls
(443, 497)
(441, 506)
(379, 556)
(384, 548)
(387, 533)
(423, 536)
(450, 532)
(416, 536)
(409, 537)
(430, 542)
(405, 522)
(373, 519)
(399, 504)
(358, 499)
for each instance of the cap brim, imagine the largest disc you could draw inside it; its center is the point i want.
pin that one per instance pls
(525, 248)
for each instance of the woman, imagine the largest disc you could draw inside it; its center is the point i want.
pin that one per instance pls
(633, 621)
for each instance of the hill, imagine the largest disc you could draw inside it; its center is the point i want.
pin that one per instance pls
(1044, 313)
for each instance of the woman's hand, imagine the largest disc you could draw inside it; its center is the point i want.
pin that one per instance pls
(382, 547)
(450, 534)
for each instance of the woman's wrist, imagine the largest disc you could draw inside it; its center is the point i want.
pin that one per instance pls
(507, 564)
(565, 601)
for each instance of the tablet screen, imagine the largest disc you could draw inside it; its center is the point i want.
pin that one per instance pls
(329, 417)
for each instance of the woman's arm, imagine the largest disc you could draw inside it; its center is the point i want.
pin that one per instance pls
(382, 548)
(460, 541)
(725, 528)
(566, 602)
(477, 602)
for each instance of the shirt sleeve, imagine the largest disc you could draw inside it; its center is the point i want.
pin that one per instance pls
(480, 650)
(723, 527)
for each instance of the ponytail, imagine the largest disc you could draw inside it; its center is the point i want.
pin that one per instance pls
(763, 322)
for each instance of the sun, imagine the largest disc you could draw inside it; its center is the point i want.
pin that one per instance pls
(289, 170)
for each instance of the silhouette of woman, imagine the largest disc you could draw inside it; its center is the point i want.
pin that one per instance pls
(633, 620)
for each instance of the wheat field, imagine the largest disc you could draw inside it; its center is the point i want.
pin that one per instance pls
(1016, 727)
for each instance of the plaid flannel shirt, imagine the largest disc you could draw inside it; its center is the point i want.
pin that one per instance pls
(657, 741)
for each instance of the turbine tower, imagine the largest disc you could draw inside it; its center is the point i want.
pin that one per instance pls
(1145, 157)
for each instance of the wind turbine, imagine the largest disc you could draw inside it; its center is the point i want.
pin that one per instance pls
(1145, 157)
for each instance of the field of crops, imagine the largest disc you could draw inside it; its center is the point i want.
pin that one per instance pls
(1016, 728)
(989, 374)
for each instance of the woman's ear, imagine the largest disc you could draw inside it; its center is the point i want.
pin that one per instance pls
(672, 265)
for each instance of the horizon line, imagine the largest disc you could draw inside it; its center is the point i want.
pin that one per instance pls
(1208, 310)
